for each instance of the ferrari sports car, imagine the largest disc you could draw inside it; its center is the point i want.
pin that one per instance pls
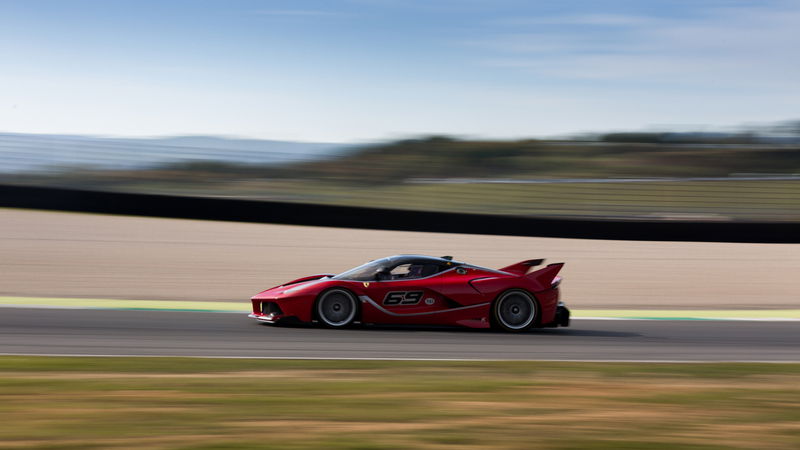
(422, 290)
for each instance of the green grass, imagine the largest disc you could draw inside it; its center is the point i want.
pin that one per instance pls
(50, 402)
(717, 200)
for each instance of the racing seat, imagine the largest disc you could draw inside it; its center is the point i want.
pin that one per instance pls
(428, 270)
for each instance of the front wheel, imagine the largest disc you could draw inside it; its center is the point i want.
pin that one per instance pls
(514, 311)
(337, 308)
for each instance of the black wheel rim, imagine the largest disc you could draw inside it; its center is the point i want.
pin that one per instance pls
(516, 310)
(336, 308)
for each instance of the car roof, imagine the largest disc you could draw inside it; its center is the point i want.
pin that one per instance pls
(421, 259)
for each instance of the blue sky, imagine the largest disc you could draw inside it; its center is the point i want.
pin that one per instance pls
(362, 70)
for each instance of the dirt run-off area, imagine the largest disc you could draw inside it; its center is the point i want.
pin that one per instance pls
(54, 254)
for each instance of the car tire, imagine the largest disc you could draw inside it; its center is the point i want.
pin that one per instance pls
(515, 310)
(336, 308)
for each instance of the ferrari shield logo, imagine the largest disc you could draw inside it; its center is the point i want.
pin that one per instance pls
(366, 284)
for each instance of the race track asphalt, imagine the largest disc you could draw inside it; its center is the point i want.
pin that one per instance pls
(168, 333)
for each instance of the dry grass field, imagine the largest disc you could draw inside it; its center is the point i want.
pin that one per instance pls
(176, 403)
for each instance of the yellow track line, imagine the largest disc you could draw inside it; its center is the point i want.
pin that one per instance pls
(100, 303)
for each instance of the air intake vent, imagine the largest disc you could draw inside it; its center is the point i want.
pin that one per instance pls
(270, 308)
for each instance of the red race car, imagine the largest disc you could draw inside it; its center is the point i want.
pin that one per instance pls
(422, 290)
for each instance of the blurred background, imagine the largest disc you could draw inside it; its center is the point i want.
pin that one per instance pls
(657, 110)
(683, 114)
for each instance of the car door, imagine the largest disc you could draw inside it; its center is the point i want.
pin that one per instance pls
(405, 296)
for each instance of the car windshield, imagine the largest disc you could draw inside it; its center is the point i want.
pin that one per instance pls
(364, 272)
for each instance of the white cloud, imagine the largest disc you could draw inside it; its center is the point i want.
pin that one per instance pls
(732, 47)
(298, 13)
(583, 19)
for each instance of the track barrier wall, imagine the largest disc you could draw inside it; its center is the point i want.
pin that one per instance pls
(238, 210)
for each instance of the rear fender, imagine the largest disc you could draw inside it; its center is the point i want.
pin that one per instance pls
(489, 286)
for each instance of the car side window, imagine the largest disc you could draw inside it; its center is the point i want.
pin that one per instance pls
(414, 270)
(402, 272)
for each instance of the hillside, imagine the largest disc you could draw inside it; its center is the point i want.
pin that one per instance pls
(634, 180)
(447, 158)
(35, 152)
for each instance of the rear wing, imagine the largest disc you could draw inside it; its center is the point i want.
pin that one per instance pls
(522, 267)
(544, 278)
(547, 277)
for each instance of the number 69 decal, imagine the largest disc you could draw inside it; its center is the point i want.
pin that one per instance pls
(402, 298)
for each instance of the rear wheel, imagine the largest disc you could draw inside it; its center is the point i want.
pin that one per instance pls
(515, 311)
(337, 308)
